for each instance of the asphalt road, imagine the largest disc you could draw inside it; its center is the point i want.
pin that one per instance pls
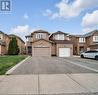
(49, 65)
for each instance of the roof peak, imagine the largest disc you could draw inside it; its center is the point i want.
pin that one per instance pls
(60, 32)
(40, 31)
(14, 35)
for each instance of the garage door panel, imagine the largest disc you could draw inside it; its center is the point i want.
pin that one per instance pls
(41, 51)
(64, 52)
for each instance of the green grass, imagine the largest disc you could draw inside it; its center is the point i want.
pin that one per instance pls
(7, 62)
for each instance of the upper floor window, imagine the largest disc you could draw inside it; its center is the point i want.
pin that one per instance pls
(59, 37)
(81, 40)
(40, 36)
(95, 38)
(29, 39)
(1, 36)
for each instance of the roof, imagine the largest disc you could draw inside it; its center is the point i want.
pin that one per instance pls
(90, 33)
(44, 40)
(60, 32)
(1, 32)
(63, 42)
(87, 34)
(40, 31)
(78, 35)
(12, 35)
(28, 36)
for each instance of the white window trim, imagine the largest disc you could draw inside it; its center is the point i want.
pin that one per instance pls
(40, 36)
(1, 37)
(81, 40)
(95, 38)
(57, 37)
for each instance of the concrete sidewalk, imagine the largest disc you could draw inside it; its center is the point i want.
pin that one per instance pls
(62, 84)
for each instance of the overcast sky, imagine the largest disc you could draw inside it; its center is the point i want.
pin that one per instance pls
(70, 16)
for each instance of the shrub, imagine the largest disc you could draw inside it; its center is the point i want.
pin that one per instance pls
(13, 47)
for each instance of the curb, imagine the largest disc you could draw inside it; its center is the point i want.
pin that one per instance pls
(17, 65)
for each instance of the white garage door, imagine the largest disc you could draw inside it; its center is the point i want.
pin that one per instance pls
(64, 52)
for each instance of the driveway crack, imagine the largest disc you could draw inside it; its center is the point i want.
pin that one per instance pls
(38, 84)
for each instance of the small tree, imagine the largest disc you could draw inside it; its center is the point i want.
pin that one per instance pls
(13, 47)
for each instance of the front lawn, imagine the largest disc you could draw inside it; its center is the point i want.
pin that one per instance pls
(6, 62)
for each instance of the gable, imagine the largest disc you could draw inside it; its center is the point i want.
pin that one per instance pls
(41, 43)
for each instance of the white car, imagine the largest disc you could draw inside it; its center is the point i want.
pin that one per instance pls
(90, 54)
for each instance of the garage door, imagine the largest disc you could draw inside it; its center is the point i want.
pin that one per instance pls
(64, 52)
(40, 51)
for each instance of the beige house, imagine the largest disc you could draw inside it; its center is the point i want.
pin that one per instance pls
(41, 43)
(4, 43)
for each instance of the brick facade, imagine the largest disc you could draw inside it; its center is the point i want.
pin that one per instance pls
(4, 43)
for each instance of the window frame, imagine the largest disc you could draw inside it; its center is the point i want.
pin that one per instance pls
(40, 36)
(57, 37)
(1, 37)
(95, 38)
(82, 40)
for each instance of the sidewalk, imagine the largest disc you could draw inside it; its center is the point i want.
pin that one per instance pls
(49, 84)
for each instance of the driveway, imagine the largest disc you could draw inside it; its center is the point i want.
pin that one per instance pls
(51, 76)
(84, 62)
(50, 65)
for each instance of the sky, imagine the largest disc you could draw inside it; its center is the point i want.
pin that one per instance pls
(69, 16)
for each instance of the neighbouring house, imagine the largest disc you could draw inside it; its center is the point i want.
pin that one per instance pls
(62, 46)
(85, 42)
(41, 43)
(4, 43)
(20, 42)
(5, 40)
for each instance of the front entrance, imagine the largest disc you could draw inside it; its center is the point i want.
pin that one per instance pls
(29, 50)
(81, 49)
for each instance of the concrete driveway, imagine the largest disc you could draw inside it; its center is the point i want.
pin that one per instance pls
(84, 62)
(49, 65)
(51, 76)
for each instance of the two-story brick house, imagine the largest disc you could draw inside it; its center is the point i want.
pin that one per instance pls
(43, 44)
(85, 42)
(62, 47)
(4, 43)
